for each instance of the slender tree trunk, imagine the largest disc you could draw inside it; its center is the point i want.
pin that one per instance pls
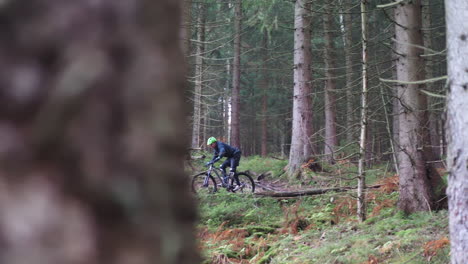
(91, 167)
(331, 141)
(457, 126)
(368, 154)
(416, 192)
(235, 103)
(361, 206)
(283, 139)
(265, 84)
(250, 126)
(442, 143)
(204, 120)
(227, 92)
(197, 104)
(302, 114)
(433, 116)
(389, 130)
(396, 111)
(348, 43)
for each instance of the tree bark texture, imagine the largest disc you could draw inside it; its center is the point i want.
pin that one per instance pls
(236, 73)
(331, 141)
(302, 113)
(457, 127)
(91, 164)
(416, 193)
(199, 69)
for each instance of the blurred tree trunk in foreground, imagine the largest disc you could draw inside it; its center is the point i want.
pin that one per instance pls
(90, 159)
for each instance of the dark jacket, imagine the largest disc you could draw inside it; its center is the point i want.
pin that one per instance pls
(224, 150)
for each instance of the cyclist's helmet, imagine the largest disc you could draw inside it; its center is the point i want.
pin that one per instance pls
(211, 140)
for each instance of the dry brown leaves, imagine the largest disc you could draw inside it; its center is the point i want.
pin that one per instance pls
(371, 260)
(308, 163)
(380, 205)
(345, 208)
(431, 248)
(389, 184)
(293, 222)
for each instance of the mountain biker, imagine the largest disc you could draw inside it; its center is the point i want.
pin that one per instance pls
(232, 154)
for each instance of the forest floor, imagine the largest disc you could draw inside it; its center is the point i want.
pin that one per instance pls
(317, 229)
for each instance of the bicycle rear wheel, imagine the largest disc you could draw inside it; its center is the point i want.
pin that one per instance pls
(201, 183)
(247, 184)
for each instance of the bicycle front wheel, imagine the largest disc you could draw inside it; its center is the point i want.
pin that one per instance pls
(202, 183)
(247, 184)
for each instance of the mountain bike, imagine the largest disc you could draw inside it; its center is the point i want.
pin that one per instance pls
(205, 182)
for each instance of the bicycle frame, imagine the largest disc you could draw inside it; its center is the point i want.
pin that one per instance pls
(233, 183)
(208, 173)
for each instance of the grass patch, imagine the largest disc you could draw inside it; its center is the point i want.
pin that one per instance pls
(259, 165)
(234, 210)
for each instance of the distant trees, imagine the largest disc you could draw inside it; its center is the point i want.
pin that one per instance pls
(199, 73)
(265, 85)
(273, 119)
(457, 127)
(91, 163)
(331, 140)
(347, 28)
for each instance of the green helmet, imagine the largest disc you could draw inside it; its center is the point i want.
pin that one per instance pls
(211, 140)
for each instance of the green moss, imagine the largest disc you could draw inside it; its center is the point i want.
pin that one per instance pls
(260, 165)
(268, 256)
(407, 232)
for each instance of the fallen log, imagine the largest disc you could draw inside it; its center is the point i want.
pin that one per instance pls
(311, 192)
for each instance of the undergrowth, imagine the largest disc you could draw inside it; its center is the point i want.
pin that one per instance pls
(319, 229)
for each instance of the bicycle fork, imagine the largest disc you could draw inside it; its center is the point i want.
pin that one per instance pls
(205, 182)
